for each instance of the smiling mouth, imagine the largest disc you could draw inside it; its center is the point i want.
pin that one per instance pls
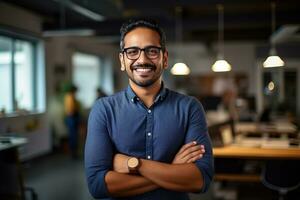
(143, 70)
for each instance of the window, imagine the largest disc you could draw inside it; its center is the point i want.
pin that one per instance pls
(20, 80)
(6, 97)
(86, 67)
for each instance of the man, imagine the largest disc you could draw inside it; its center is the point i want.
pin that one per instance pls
(147, 142)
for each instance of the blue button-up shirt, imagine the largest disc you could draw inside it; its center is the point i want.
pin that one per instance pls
(123, 124)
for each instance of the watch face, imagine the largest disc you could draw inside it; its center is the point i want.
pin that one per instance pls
(133, 163)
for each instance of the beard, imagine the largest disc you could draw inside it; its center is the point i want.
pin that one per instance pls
(147, 82)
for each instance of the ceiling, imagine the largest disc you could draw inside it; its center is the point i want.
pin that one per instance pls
(244, 20)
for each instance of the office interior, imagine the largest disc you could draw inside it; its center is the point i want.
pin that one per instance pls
(253, 112)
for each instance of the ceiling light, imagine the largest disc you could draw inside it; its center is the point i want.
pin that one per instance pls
(271, 86)
(86, 12)
(273, 60)
(179, 68)
(82, 10)
(63, 31)
(69, 32)
(221, 65)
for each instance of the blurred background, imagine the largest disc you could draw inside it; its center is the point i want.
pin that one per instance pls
(54, 52)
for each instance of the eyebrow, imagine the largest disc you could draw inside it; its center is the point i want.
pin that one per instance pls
(144, 47)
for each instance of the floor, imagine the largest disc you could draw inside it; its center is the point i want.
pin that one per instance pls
(58, 177)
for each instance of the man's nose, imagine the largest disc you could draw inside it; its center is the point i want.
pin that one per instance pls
(143, 58)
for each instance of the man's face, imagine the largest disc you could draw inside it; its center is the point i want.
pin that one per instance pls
(143, 71)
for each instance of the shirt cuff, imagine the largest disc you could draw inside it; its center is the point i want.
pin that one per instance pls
(97, 186)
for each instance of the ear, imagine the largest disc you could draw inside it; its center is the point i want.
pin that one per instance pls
(122, 62)
(165, 59)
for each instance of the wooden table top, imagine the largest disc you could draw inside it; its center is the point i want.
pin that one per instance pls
(233, 151)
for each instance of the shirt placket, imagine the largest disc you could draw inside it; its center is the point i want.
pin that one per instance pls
(149, 135)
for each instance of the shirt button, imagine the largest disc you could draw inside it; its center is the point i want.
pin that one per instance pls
(149, 134)
(148, 157)
(149, 111)
(132, 100)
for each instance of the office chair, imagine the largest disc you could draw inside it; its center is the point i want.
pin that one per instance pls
(32, 193)
(282, 176)
(11, 178)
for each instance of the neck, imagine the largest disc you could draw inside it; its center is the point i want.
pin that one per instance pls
(146, 94)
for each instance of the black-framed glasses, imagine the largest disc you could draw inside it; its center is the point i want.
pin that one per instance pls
(133, 53)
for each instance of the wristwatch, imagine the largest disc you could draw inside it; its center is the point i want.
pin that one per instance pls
(133, 164)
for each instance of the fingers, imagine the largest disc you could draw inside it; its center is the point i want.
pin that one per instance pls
(190, 151)
(192, 157)
(186, 146)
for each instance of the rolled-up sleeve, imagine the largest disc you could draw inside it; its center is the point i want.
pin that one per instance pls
(197, 130)
(98, 153)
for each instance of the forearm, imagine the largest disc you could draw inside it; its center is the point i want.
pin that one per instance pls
(123, 185)
(155, 174)
(178, 177)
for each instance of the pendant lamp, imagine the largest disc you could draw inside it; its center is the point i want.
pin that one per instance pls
(221, 65)
(273, 60)
(179, 68)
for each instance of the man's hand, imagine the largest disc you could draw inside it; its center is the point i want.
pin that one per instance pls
(120, 163)
(189, 153)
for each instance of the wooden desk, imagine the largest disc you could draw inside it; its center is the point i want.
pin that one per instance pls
(233, 151)
(231, 161)
(251, 153)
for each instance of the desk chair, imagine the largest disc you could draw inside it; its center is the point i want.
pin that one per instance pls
(282, 176)
(11, 179)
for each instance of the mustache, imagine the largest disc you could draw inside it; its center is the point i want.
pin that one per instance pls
(146, 65)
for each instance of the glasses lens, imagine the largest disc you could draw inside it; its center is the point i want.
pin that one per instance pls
(132, 53)
(152, 52)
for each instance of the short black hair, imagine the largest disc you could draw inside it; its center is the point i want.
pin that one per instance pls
(147, 23)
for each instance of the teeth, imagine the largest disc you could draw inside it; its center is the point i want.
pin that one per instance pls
(143, 70)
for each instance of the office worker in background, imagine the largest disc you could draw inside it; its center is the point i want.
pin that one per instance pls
(72, 118)
(147, 142)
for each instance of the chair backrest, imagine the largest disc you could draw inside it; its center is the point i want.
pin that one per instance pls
(11, 182)
(222, 134)
(282, 174)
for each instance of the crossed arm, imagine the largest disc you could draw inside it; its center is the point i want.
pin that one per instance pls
(181, 175)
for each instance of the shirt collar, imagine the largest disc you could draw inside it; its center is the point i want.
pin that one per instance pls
(131, 95)
(160, 96)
